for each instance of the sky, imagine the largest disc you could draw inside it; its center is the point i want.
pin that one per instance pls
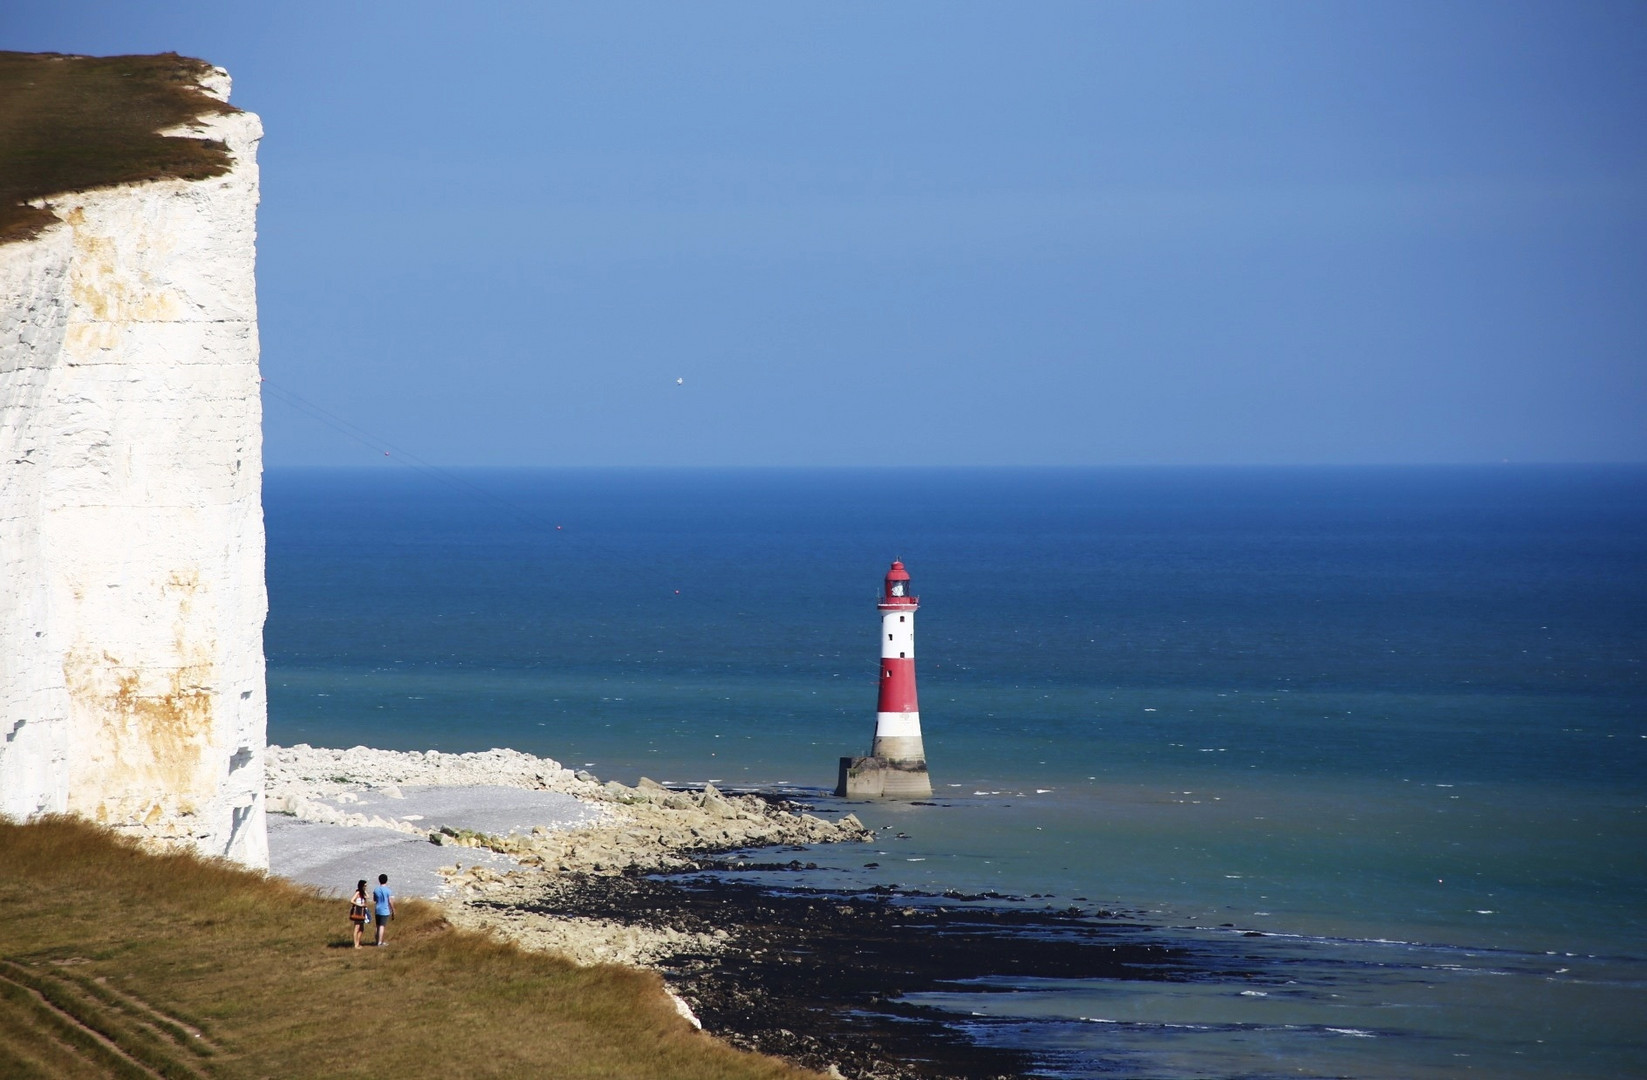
(825, 234)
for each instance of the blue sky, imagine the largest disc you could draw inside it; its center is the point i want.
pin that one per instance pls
(938, 233)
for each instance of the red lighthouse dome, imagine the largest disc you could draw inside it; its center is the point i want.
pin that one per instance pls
(896, 592)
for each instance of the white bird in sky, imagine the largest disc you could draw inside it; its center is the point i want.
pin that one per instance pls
(680, 382)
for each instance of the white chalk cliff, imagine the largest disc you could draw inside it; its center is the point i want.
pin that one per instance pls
(132, 594)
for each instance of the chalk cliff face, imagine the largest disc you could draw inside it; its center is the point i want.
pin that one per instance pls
(131, 525)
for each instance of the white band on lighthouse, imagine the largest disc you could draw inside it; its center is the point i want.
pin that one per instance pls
(891, 725)
(897, 635)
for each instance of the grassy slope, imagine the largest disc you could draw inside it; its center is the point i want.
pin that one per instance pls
(72, 123)
(115, 962)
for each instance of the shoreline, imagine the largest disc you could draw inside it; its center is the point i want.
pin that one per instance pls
(495, 851)
(645, 877)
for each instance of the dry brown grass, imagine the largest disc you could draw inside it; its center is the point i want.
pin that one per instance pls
(117, 962)
(72, 123)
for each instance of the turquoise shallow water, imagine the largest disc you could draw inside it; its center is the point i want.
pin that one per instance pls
(1391, 719)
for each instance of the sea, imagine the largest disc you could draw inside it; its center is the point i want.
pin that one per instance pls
(1394, 720)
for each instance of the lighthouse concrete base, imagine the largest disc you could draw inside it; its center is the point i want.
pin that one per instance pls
(883, 778)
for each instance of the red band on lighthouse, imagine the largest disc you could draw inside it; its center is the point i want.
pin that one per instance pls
(898, 687)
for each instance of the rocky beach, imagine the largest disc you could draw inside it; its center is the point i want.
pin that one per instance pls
(555, 860)
(490, 835)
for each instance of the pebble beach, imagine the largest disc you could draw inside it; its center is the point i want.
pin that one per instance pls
(488, 834)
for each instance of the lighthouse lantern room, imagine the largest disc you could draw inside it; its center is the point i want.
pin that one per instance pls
(896, 765)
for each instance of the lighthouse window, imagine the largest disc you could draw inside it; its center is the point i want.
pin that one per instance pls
(897, 588)
(889, 637)
(900, 656)
(900, 618)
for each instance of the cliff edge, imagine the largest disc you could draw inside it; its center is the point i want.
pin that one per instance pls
(132, 594)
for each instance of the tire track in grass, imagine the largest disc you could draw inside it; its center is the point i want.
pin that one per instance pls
(30, 1047)
(179, 1031)
(77, 1020)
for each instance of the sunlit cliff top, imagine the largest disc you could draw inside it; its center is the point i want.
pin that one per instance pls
(72, 123)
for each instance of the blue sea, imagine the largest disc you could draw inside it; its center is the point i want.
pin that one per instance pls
(1395, 720)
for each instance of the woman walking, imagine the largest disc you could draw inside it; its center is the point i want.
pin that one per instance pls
(357, 909)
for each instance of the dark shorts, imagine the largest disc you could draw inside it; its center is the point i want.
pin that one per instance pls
(383, 920)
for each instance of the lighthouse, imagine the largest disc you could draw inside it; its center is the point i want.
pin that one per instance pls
(896, 765)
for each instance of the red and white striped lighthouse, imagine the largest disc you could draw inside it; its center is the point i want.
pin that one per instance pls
(898, 715)
(896, 766)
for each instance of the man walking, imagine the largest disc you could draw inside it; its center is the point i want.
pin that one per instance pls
(383, 903)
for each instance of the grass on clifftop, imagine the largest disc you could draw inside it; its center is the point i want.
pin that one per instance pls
(73, 123)
(116, 962)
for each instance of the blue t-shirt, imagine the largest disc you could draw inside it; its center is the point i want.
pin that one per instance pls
(380, 897)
